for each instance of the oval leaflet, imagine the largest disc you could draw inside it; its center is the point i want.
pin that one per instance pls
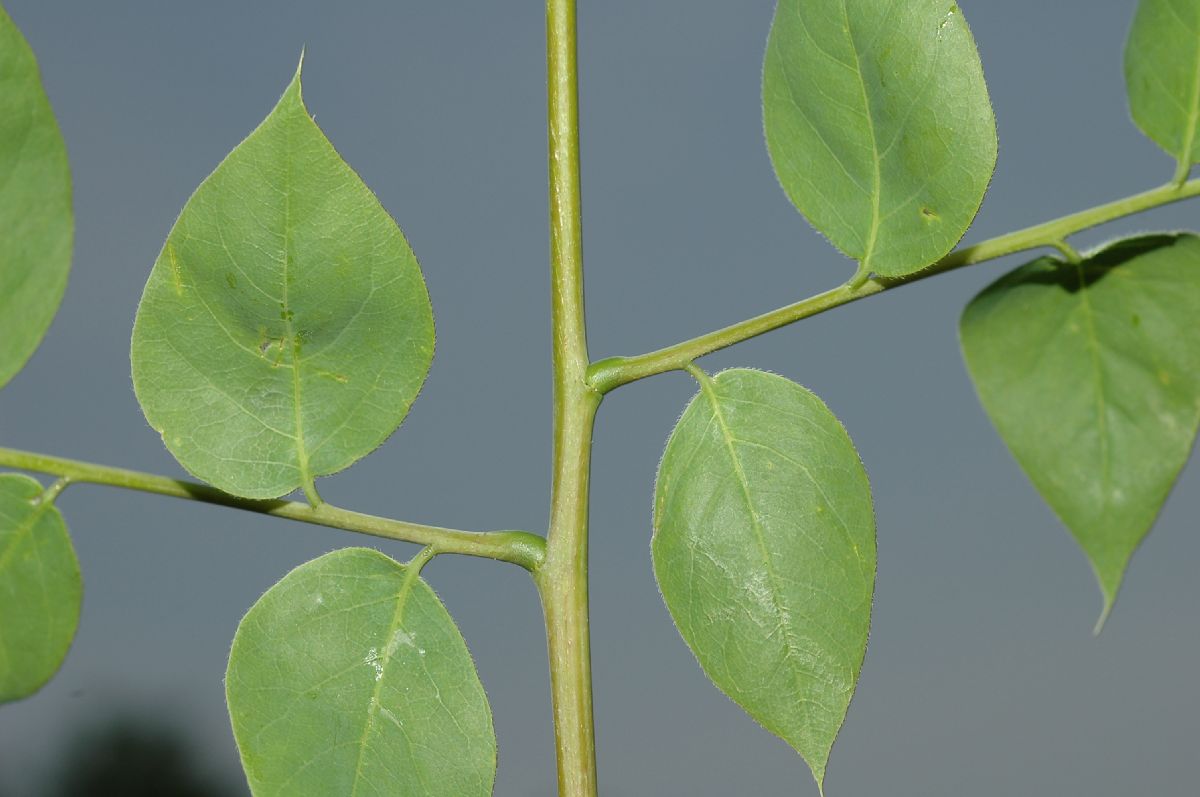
(764, 549)
(879, 125)
(285, 329)
(349, 677)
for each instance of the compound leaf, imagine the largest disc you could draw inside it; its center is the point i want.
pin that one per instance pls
(348, 677)
(36, 225)
(285, 329)
(764, 549)
(40, 588)
(1162, 75)
(879, 125)
(1091, 374)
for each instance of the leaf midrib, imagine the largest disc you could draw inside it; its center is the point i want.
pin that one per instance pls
(793, 649)
(873, 232)
(411, 574)
(306, 476)
(1193, 111)
(1093, 345)
(24, 530)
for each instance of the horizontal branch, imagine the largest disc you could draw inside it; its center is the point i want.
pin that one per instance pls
(607, 375)
(517, 547)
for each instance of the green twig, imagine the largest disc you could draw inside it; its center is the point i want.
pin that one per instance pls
(518, 547)
(609, 374)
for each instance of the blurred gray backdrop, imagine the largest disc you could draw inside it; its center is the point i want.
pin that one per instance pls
(982, 676)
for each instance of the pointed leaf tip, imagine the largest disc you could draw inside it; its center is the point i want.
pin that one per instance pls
(764, 551)
(1091, 374)
(1109, 602)
(285, 329)
(299, 68)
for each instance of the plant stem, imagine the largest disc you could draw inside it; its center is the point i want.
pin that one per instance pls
(609, 374)
(563, 585)
(517, 547)
(563, 579)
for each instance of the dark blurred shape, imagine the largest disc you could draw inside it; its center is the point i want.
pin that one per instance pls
(131, 757)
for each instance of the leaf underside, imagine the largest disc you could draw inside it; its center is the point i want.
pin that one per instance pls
(879, 125)
(348, 677)
(1162, 75)
(285, 329)
(36, 225)
(40, 588)
(764, 549)
(1091, 375)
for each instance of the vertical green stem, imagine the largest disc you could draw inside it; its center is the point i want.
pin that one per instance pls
(562, 580)
(563, 584)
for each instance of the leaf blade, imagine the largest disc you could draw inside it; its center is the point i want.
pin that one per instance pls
(334, 668)
(1091, 375)
(1162, 76)
(35, 205)
(40, 588)
(285, 329)
(879, 126)
(763, 520)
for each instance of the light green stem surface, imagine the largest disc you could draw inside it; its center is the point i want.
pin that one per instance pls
(562, 581)
(609, 374)
(518, 547)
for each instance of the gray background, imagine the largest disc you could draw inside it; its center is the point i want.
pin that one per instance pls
(982, 677)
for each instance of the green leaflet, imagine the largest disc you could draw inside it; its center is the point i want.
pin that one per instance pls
(40, 588)
(764, 549)
(285, 329)
(36, 226)
(879, 125)
(1091, 374)
(349, 678)
(1162, 75)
